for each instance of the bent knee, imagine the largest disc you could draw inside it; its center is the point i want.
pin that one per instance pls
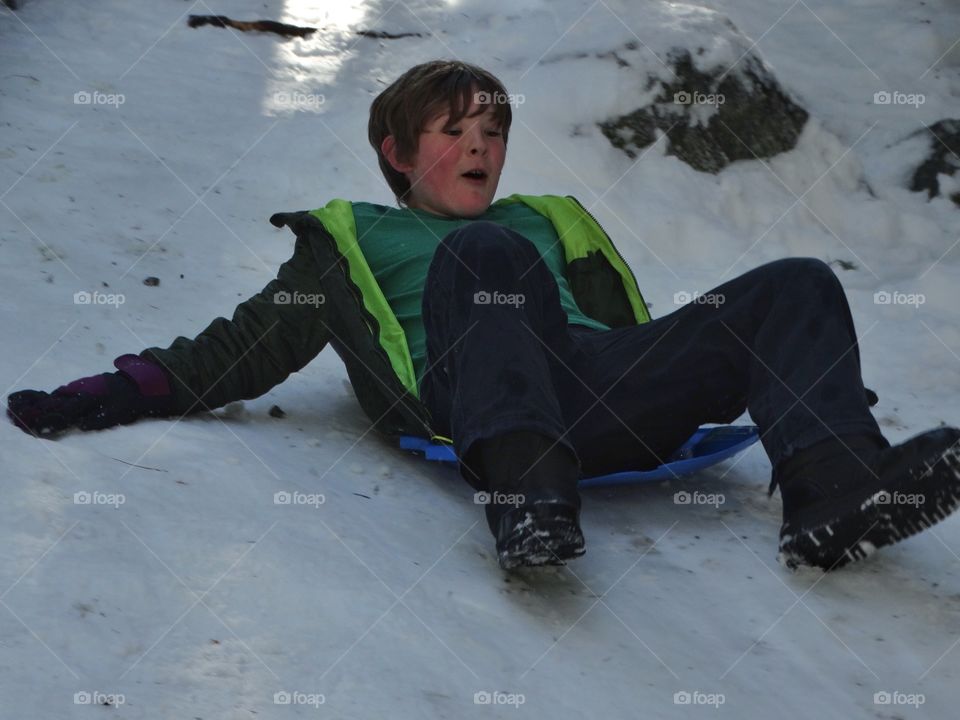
(484, 235)
(803, 270)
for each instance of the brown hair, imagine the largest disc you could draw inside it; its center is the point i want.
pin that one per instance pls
(417, 97)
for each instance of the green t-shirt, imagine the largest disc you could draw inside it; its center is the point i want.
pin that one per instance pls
(399, 245)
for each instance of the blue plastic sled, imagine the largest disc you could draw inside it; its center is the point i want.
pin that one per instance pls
(706, 447)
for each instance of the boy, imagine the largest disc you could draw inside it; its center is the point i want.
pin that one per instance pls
(517, 329)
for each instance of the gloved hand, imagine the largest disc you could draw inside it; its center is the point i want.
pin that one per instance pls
(139, 389)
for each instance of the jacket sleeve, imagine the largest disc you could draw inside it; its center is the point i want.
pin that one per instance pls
(274, 333)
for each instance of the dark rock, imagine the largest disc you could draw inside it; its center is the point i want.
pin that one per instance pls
(151, 281)
(750, 116)
(844, 264)
(276, 412)
(944, 158)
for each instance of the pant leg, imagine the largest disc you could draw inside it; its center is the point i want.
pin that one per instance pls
(491, 309)
(759, 342)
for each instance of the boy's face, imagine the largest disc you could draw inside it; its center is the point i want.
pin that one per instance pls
(437, 173)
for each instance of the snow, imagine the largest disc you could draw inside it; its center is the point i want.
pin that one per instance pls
(375, 589)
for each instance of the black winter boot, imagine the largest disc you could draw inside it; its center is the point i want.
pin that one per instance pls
(533, 507)
(843, 499)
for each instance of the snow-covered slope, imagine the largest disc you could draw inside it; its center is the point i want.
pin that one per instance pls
(199, 596)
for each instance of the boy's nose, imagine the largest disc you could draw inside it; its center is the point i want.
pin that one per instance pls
(477, 143)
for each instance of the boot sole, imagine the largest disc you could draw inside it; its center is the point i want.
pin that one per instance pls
(876, 522)
(545, 534)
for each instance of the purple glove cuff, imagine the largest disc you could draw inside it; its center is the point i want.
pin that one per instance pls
(93, 385)
(149, 377)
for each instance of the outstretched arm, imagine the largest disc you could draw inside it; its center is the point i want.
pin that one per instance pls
(274, 333)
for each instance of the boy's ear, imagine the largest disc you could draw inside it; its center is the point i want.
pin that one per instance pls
(389, 149)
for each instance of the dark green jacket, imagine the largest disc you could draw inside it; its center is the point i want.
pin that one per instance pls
(326, 293)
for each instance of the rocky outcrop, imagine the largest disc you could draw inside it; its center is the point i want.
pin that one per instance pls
(703, 84)
(944, 158)
(713, 119)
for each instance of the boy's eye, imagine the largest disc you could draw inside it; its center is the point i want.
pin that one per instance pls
(456, 131)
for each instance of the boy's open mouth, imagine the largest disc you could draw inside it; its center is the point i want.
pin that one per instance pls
(476, 175)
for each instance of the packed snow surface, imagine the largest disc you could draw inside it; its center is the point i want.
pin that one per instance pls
(237, 565)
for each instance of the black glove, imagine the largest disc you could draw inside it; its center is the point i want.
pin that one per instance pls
(140, 389)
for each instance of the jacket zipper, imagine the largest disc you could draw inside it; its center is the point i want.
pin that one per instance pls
(636, 285)
(348, 284)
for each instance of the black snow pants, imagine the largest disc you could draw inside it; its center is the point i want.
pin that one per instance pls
(777, 341)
